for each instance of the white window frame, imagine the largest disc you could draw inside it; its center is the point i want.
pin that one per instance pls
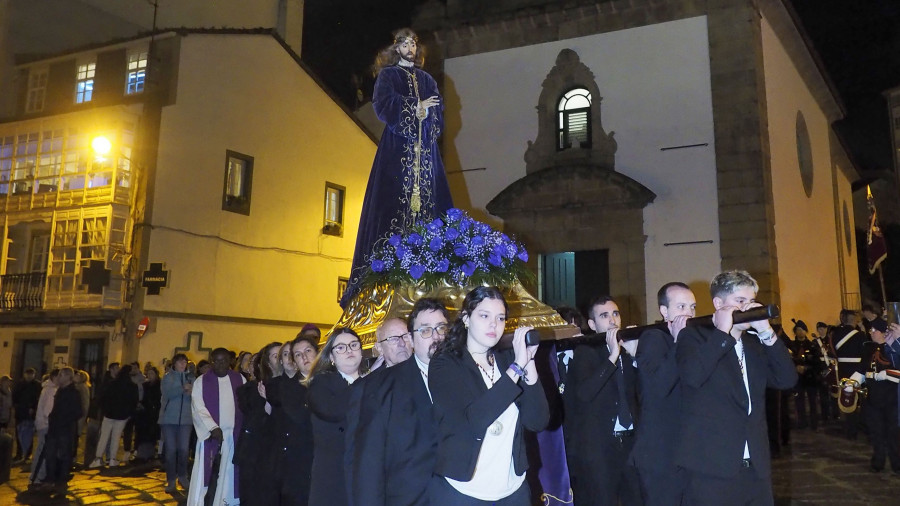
(136, 71)
(37, 89)
(84, 81)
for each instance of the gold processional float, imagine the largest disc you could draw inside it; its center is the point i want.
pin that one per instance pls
(445, 259)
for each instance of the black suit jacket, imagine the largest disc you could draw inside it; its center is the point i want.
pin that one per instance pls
(391, 454)
(328, 396)
(292, 435)
(660, 402)
(715, 423)
(464, 407)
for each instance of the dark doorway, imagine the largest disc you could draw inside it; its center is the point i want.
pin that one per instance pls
(574, 278)
(34, 354)
(91, 357)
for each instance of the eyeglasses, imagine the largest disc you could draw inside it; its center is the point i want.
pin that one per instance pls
(346, 348)
(428, 332)
(394, 340)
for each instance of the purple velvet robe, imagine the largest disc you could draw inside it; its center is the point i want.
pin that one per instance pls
(386, 208)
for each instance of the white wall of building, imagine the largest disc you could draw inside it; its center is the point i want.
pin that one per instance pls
(245, 93)
(655, 84)
(805, 233)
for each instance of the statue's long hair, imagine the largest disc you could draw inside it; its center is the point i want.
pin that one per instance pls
(389, 55)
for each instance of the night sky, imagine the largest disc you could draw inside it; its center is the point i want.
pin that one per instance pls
(858, 42)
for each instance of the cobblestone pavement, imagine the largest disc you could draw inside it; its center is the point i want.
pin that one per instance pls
(817, 469)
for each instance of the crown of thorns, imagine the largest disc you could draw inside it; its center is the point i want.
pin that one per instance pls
(400, 39)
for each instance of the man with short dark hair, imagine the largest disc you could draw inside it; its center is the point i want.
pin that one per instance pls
(662, 482)
(724, 372)
(826, 402)
(600, 404)
(391, 454)
(25, 395)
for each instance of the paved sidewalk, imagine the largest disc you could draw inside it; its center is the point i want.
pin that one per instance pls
(817, 469)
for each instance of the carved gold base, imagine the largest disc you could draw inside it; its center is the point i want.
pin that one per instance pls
(373, 306)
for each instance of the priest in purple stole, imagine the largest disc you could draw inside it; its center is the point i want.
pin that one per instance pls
(217, 421)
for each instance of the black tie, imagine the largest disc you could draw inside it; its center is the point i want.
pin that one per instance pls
(624, 413)
(561, 366)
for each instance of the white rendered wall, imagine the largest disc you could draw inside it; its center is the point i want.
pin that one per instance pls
(655, 84)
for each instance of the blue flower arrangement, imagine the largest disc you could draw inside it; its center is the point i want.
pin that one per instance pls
(455, 249)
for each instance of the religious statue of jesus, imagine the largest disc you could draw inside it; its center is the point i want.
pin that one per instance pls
(407, 183)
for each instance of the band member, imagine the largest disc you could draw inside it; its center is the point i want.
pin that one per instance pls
(808, 360)
(881, 402)
(662, 482)
(600, 403)
(724, 372)
(829, 374)
(847, 343)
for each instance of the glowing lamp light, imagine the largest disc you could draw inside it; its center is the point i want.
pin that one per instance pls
(101, 145)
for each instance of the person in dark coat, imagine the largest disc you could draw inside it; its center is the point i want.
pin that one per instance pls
(120, 402)
(847, 343)
(59, 444)
(724, 372)
(601, 407)
(26, 393)
(484, 401)
(392, 435)
(146, 420)
(253, 450)
(662, 482)
(336, 368)
(291, 428)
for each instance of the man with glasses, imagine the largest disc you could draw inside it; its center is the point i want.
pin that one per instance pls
(390, 453)
(392, 342)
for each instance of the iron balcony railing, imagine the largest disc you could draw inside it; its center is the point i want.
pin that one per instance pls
(22, 291)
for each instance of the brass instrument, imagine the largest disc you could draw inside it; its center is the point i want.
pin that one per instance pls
(848, 402)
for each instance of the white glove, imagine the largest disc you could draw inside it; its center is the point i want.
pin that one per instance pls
(858, 377)
(880, 376)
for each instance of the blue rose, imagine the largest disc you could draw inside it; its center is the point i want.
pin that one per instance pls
(495, 260)
(477, 240)
(523, 255)
(468, 268)
(454, 214)
(394, 240)
(401, 252)
(452, 234)
(442, 265)
(414, 239)
(460, 250)
(499, 250)
(435, 226)
(435, 243)
(464, 225)
(377, 265)
(484, 228)
(416, 271)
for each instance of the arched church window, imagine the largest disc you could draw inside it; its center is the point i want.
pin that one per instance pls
(574, 119)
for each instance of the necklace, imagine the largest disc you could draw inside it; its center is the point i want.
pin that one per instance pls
(490, 361)
(742, 358)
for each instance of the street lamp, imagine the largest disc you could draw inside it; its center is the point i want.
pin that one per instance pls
(101, 146)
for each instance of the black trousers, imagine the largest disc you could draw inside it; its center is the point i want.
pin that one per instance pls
(662, 488)
(827, 402)
(59, 452)
(745, 489)
(604, 478)
(881, 420)
(442, 493)
(807, 395)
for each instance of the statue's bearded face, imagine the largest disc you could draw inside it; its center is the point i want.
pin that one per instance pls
(407, 49)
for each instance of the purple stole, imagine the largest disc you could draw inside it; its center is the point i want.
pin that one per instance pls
(211, 447)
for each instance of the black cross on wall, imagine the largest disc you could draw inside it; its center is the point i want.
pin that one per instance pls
(96, 276)
(155, 278)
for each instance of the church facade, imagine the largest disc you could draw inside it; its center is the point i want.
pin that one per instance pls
(632, 143)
